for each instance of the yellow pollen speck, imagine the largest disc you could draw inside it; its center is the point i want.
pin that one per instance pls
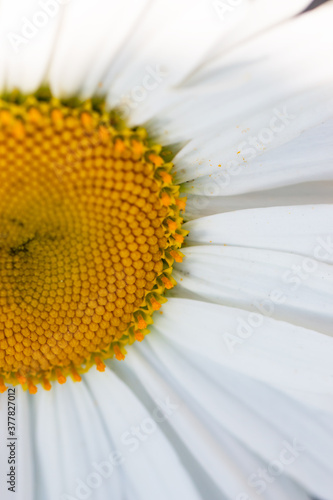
(165, 199)
(157, 160)
(18, 130)
(34, 115)
(177, 256)
(179, 238)
(5, 116)
(21, 379)
(137, 147)
(103, 133)
(87, 120)
(89, 229)
(46, 384)
(155, 304)
(99, 365)
(167, 283)
(141, 323)
(167, 178)
(138, 336)
(76, 376)
(119, 355)
(172, 225)
(119, 146)
(3, 387)
(32, 388)
(181, 203)
(60, 377)
(56, 115)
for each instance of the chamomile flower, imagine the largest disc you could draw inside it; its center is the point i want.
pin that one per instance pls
(166, 251)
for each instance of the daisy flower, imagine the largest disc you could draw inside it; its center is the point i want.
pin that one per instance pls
(145, 145)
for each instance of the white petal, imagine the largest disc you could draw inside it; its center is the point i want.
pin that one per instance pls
(98, 447)
(172, 36)
(307, 193)
(253, 18)
(305, 230)
(188, 36)
(228, 463)
(216, 461)
(279, 285)
(69, 427)
(272, 43)
(292, 359)
(223, 399)
(249, 164)
(28, 31)
(148, 460)
(90, 36)
(47, 437)
(245, 87)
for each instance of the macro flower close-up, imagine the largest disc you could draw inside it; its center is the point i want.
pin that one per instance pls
(166, 250)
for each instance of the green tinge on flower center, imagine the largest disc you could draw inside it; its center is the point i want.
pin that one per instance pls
(89, 229)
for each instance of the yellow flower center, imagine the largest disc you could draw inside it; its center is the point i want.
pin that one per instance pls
(89, 229)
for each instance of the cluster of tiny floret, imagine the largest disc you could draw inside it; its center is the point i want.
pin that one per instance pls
(89, 229)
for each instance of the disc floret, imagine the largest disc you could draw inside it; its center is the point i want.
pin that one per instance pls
(90, 224)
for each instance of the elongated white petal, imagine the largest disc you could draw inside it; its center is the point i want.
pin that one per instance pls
(183, 51)
(216, 462)
(254, 165)
(48, 430)
(91, 33)
(279, 285)
(245, 88)
(223, 402)
(305, 230)
(161, 53)
(81, 463)
(231, 467)
(28, 30)
(295, 360)
(307, 193)
(253, 17)
(146, 458)
(99, 447)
